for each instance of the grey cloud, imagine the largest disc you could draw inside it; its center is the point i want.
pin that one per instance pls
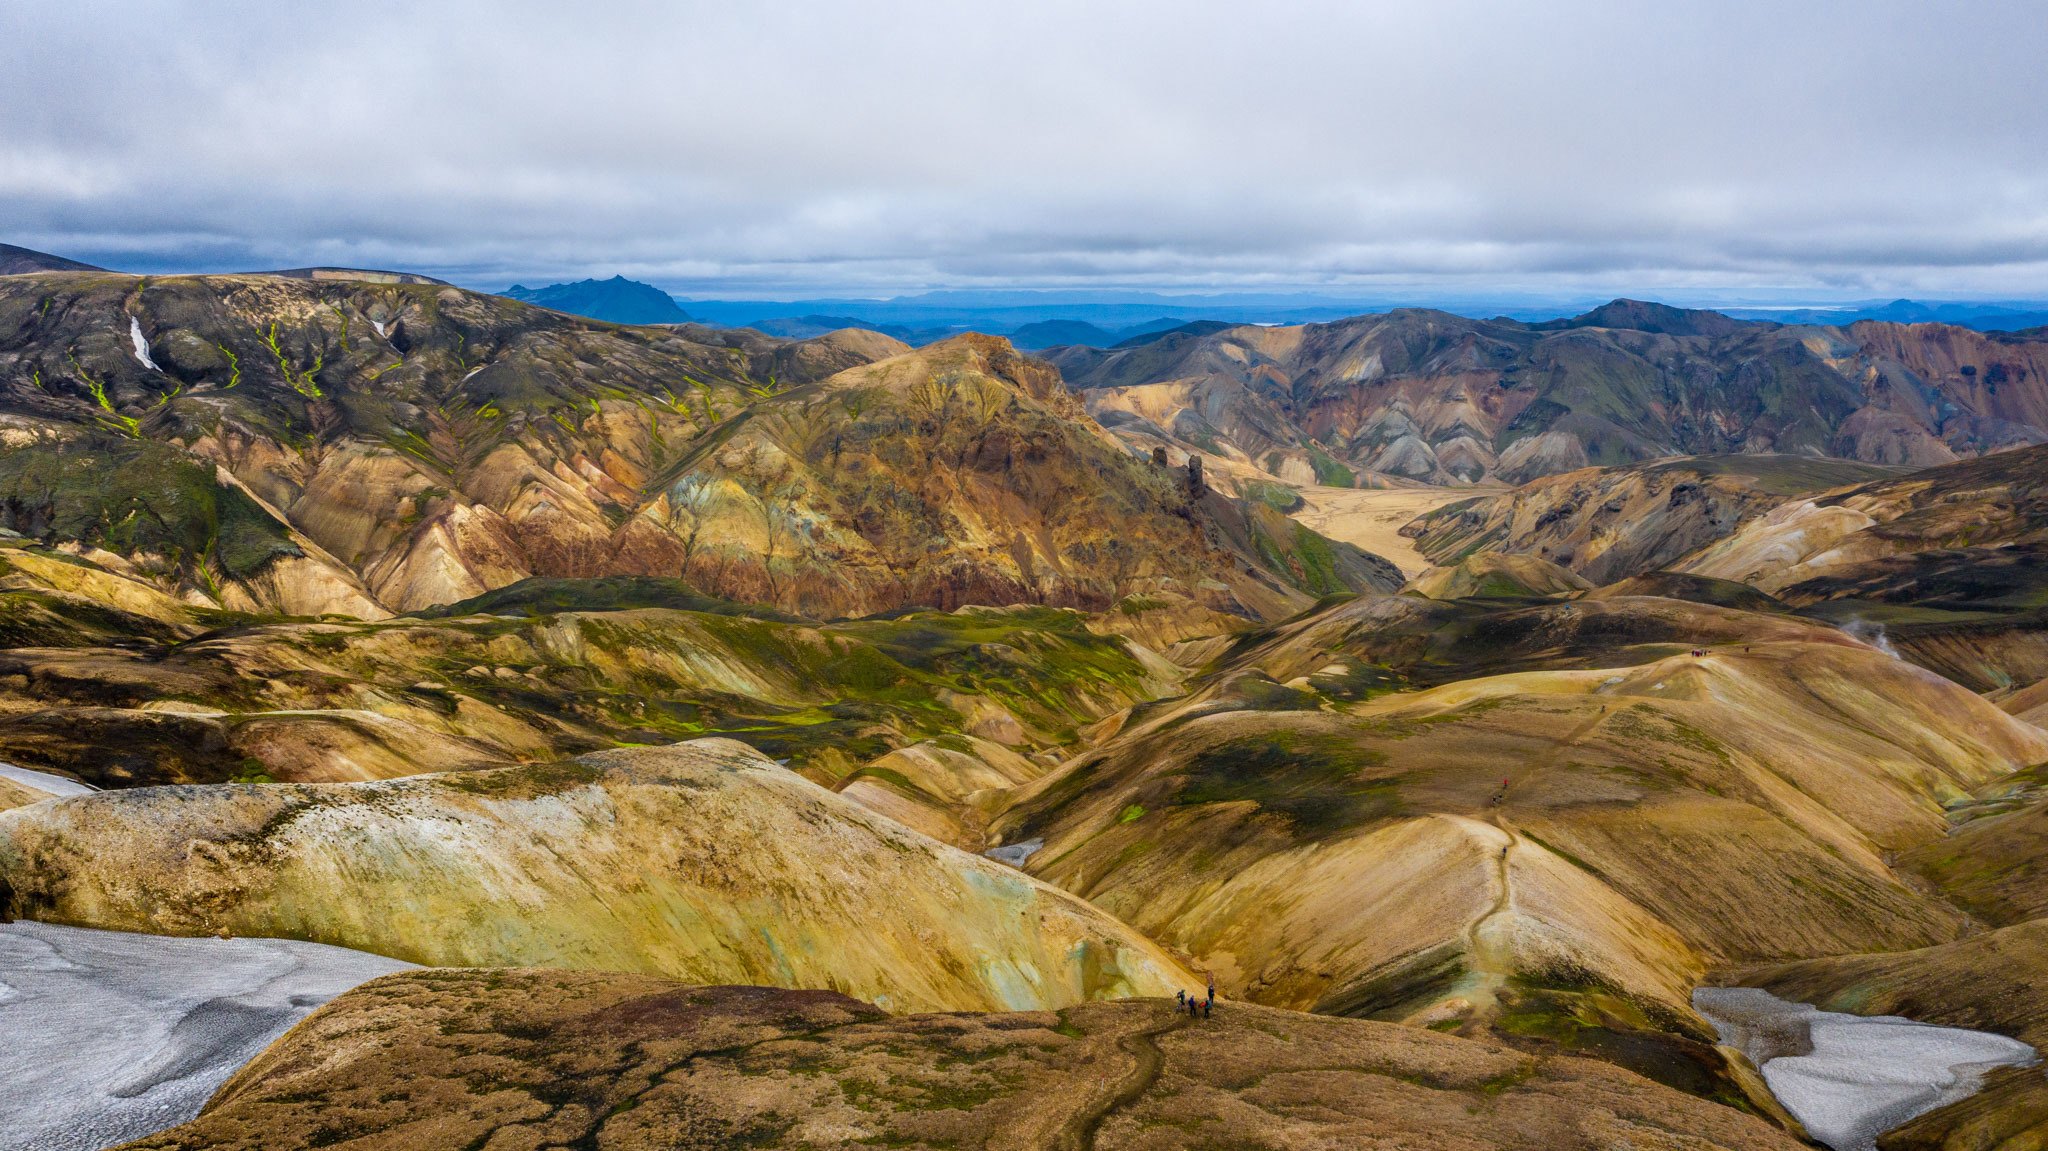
(763, 147)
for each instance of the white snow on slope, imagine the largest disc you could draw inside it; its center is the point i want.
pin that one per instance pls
(43, 781)
(141, 344)
(109, 1036)
(1851, 1078)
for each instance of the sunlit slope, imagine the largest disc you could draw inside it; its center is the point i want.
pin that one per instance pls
(964, 472)
(1497, 575)
(348, 445)
(395, 1064)
(1995, 862)
(703, 861)
(1422, 855)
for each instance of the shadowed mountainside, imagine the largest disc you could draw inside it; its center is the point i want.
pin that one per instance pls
(17, 261)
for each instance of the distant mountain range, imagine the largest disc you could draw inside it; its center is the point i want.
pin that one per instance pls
(617, 300)
(1423, 395)
(1992, 317)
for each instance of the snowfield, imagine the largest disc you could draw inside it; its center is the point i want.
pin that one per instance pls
(111, 1036)
(1850, 1078)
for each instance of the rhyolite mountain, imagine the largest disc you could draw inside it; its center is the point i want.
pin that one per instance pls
(1611, 523)
(617, 300)
(1430, 396)
(334, 446)
(1945, 563)
(433, 623)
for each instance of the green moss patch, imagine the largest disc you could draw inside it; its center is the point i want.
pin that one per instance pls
(1318, 782)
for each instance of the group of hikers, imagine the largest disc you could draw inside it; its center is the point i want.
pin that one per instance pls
(1197, 1006)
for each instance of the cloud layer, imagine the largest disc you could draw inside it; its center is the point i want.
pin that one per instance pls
(1734, 149)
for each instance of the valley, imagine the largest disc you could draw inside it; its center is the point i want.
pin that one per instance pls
(728, 737)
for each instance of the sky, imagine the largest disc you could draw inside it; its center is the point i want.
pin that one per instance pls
(1704, 152)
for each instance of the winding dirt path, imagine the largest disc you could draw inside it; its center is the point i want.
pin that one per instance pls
(1079, 1131)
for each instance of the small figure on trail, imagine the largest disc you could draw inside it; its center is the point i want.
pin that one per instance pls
(1194, 1005)
(1212, 987)
(1206, 1005)
(1181, 997)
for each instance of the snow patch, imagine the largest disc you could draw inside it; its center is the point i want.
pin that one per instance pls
(112, 1036)
(44, 782)
(1850, 1078)
(379, 325)
(141, 344)
(1015, 854)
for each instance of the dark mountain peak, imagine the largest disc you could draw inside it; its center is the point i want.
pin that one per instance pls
(1645, 316)
(617, 300)
(16, 261)
(1194, 329)
(1044, 334)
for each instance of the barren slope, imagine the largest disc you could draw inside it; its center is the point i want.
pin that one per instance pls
(702, 861)
(630, 1063)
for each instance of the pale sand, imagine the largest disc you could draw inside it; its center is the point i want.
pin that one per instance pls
(1372, 518)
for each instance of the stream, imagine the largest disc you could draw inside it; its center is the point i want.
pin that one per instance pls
(110, 1036)
(1851, 1078)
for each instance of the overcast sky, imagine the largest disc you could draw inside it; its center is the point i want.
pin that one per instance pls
(1719, 150)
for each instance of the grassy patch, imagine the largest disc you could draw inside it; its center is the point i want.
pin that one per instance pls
(1317, 782)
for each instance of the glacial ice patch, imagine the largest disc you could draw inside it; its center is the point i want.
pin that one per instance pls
(1851, 1078)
